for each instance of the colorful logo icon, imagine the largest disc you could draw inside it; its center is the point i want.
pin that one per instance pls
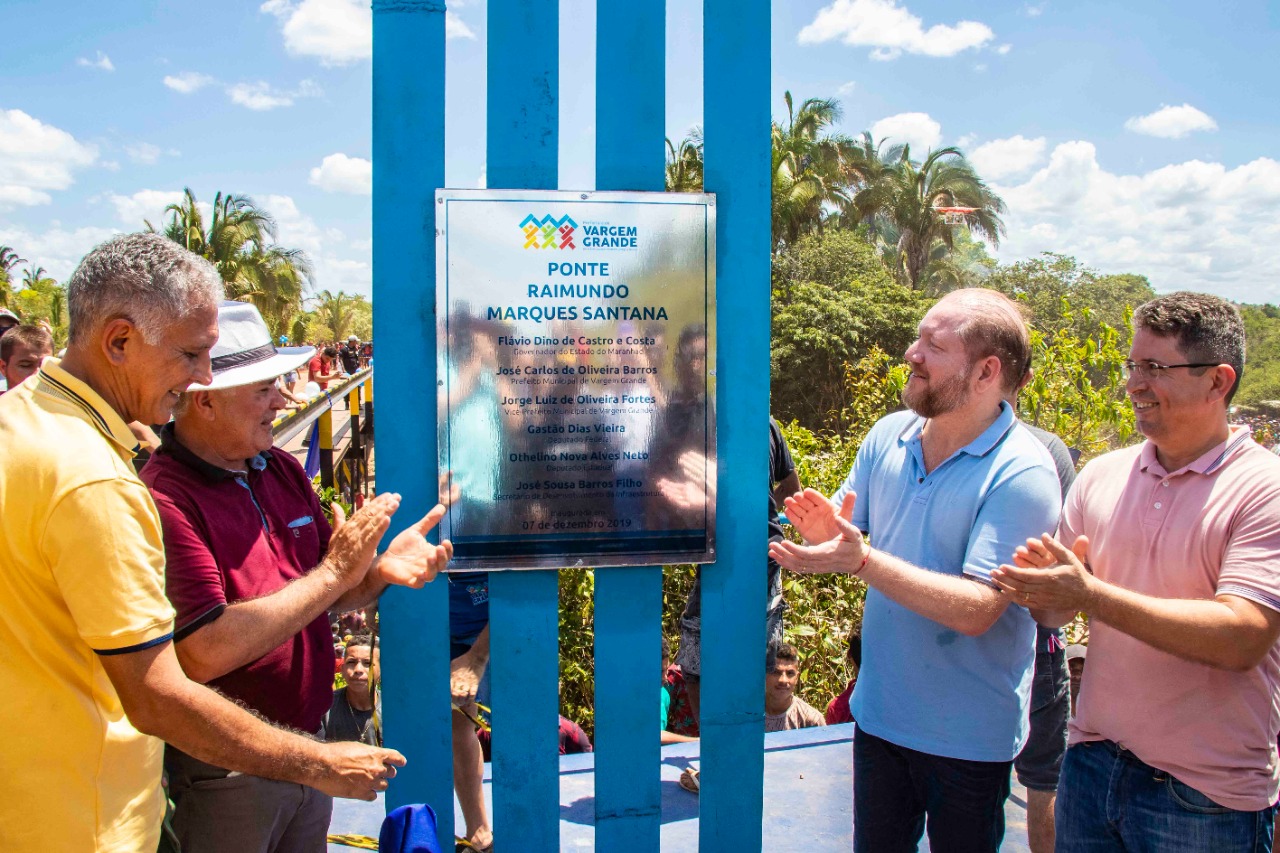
(548, 232)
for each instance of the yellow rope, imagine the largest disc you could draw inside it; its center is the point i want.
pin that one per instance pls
(363, 842)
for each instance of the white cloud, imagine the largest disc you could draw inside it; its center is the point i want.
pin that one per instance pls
(339, 173)
(967, 140)
(36, 157)
(454, 28)
(1171, 122)
(102, 62)
(1004, 49)
(1035, 10)
(262, 96)
(1192, 225)
(890, 30)
(918, 130)
(187, 82)
(56, 249)
(333, 272)
(1001, 158)
(846, 88)
(147, 206)
(143, 152)
(338, 32)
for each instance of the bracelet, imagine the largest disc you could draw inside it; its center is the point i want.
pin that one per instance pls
(863, 564)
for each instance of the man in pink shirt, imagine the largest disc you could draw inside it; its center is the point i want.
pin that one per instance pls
(1172, 548)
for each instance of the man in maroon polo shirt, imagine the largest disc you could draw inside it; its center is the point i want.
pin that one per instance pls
(252, 569)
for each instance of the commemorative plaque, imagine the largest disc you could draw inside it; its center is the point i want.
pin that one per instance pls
(576, 344)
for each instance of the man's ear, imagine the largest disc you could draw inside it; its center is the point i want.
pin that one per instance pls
(1224, 376)
(200, 403)
(119, 336)
(989, 370)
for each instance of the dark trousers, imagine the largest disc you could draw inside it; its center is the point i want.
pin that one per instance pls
(895, 789)
(221, 812)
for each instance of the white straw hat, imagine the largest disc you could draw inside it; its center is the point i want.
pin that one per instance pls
(244, 353)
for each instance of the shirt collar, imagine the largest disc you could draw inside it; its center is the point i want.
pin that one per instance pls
(1208, 463)
(980, 446)
(171, 446)
(55, 381)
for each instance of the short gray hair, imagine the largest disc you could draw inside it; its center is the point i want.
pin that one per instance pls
(146, 278)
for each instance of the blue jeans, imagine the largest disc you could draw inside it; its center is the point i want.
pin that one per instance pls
(1110, 800)
(894, 788)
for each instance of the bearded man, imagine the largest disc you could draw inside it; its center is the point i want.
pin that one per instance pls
(945, 491)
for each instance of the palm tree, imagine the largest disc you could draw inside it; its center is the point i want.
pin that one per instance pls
(336, 311)
(239, 241)
(867, 163)
(684, 164)
(906, 197)
(34, 277)
(280, 278)
(810, 168)
(8, 260)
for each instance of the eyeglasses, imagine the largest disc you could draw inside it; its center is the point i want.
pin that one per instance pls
(1154, 370)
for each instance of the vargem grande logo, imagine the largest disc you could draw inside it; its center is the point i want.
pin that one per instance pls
(563, 233)
(548, 232)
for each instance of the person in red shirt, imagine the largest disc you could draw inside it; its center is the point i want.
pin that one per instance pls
(838, 708)
(322, 369)
(252, 569)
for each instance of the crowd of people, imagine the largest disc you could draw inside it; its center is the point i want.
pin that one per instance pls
(179, 624)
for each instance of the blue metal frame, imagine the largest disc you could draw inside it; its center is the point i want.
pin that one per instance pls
(736, 169)
(522, 153)
(628, 602)
(522, 142)
(408, 164)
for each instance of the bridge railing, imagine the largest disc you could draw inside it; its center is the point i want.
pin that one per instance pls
(342, 456)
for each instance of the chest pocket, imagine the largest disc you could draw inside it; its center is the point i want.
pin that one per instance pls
(304, 539)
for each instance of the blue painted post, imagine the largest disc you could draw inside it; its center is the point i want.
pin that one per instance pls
(736, 77)
(523, 71)
(408, 165)
(630, 90)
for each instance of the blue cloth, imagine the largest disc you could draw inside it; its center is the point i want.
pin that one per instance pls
(312, 463)
(409, 829)
(922, 685)
(1110, 800)
(468, 604)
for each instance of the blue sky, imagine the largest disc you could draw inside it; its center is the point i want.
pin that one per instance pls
(1139, 137)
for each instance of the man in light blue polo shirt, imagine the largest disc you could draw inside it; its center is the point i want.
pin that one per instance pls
(945, 491)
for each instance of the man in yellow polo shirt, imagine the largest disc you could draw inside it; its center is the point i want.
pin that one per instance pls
(82, 576)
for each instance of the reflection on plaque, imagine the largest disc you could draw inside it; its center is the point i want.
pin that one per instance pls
(577, 377)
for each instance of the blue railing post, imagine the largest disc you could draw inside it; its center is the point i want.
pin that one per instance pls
(736, 112)
(408, 164)
(522, 152)
(630, 90)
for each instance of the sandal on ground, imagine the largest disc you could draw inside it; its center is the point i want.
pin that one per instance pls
(462, 845)
(689, 780)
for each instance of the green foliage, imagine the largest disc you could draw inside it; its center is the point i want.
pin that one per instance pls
(833, 304)
(239, 241)
(577, 647)
(329, 496)
(901, 205)
(684, 164)
(1078, 390)
(42, 299)
(1043, 283)
(337, 315)
(1261, 382)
